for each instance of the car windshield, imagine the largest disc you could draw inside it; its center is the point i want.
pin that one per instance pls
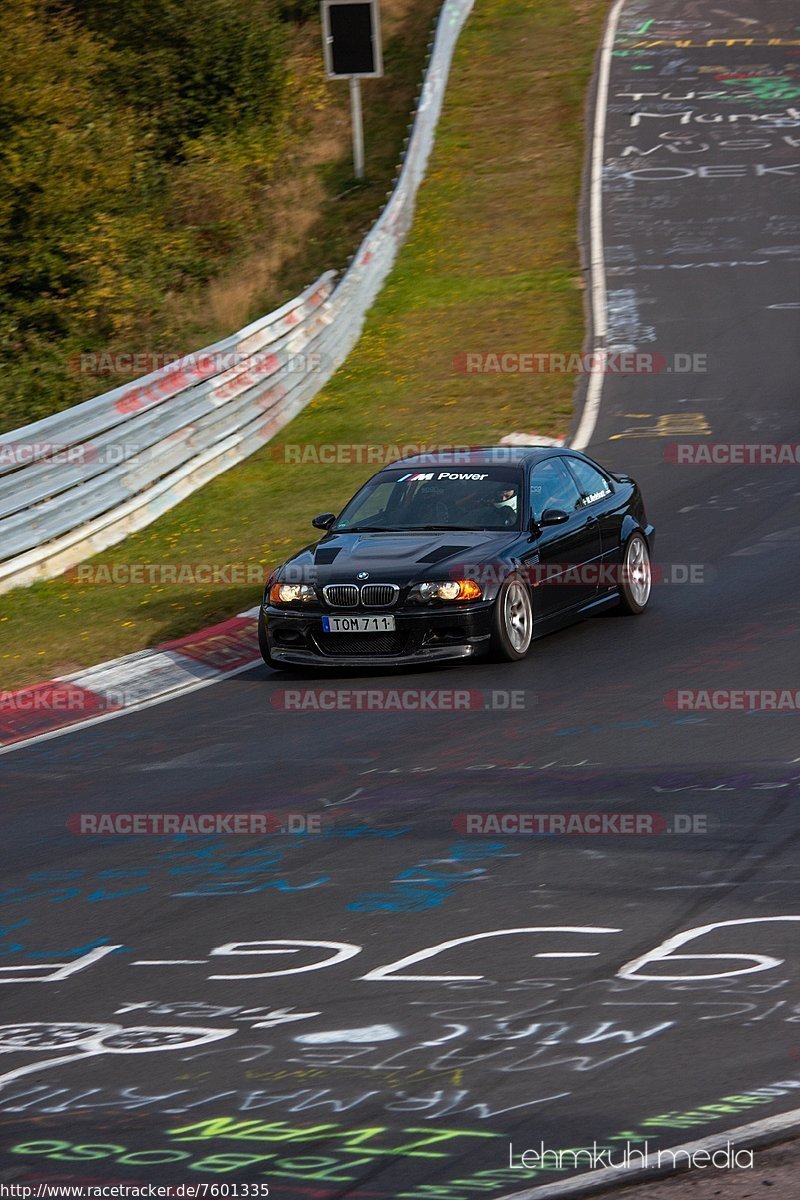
(472, 497)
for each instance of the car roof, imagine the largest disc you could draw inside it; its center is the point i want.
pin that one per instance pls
(480, 456)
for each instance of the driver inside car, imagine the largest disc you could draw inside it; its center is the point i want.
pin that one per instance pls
(507, 498)
(494, 508)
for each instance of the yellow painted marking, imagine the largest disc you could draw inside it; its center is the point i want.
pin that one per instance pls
(669, 425)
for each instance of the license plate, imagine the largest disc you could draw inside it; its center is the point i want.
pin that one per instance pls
(379, 624)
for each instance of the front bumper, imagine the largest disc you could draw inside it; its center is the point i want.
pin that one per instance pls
(436, 635)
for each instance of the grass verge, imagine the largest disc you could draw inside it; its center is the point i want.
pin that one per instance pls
(491, 264)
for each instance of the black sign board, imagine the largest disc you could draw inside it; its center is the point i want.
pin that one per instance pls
(351, 38)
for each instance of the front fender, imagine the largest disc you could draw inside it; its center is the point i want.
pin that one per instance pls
(498, 573)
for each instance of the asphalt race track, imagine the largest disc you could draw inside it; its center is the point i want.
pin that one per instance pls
(377, 1001)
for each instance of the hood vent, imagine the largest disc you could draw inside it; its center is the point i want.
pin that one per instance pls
(325, 556)
(441, 552)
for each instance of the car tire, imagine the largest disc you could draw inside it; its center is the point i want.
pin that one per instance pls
(512, 621)
(636, 584)
(263, 643)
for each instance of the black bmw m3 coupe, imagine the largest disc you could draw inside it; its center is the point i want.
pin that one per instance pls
(455, 556)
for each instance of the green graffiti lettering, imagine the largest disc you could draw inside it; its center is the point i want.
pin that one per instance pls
(151, 1158)
(81, 1153)
(39, 1147)
(413, 1149)
(318, 1168)
(220, 1163)
(259, 1131)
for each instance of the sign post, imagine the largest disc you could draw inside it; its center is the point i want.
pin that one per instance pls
(351, 43)
(358, 126)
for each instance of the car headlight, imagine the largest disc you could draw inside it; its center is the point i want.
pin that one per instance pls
(291, 593)
(449, 589)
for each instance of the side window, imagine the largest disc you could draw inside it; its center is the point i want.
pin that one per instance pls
(552, 486)
(593, 485)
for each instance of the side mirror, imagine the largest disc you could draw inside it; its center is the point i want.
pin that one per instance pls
(553, 516)
(323, 521)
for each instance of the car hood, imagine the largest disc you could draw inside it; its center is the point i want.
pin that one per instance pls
(396, 557)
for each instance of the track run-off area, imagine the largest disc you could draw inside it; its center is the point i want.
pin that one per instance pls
(390, 993)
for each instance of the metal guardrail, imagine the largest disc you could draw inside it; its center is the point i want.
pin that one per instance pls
(83, 479)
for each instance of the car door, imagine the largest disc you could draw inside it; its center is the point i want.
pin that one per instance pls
(560, 553)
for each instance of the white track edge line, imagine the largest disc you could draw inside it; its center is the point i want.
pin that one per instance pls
(597, 266)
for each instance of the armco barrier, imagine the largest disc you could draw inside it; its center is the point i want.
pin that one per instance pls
(107, 467)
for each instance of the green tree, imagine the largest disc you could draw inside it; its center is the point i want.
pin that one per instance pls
(136, 138)
(191, 67)
(71, 170)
